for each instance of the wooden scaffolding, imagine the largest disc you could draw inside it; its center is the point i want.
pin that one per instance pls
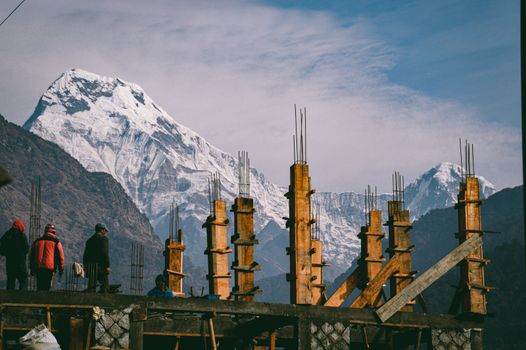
(299, 222)
(471, 292)
(244, 238)
(399, 225)
(174, 254)
(217, 244)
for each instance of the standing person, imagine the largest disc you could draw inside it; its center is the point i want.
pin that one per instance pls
(46, 256)
(96, 259)
(14, 246)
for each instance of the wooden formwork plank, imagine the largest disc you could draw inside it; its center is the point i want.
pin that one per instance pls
(371, 251)
(318, 287)
(400, 243)
(470, 224)
(174, 265)
(244, 264)
(217, 250)
(300, 235)
(76, 337)
(428, 277)
(344, 290)
(371, 292)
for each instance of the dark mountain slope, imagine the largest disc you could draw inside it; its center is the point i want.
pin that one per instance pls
(434, 233)
(433, 236)
(74, 200)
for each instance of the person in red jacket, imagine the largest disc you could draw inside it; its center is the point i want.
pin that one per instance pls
(46, 256)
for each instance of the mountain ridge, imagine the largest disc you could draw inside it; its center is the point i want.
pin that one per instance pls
(113, 126)
(66, 184)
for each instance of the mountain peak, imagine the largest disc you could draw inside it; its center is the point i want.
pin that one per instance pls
(438, 188)
(447, 172)
(112, 126)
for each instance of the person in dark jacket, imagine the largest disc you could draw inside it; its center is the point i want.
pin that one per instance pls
(14, 246)
(46, 257)
(96, 259)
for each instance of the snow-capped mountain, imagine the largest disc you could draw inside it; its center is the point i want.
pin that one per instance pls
(112, 126)
(438, 188)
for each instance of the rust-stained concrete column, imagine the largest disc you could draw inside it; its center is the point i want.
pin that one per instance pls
(217, 251)
(244, 240)
(371, 249)
(300, 234)
(400, 243)
(318, 285)
(173, 257)
(472, 286)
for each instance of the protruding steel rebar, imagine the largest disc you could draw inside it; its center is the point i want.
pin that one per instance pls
(461, 162)
(473, 158)
(215, 189)
(365, 211)
(399, 189)
(299, 141)
(467, 160)
(305, 113)
(137, 268)
(210, 194)
(296, 134)
(371, 202)
(244, 174)
(173, 224)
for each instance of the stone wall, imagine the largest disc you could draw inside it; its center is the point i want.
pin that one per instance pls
(325, 336)
(448, 339)
(112, 328)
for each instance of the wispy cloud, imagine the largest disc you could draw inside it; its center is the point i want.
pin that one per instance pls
(233, 70)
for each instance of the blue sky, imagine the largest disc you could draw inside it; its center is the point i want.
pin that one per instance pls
(388, 85)
(463, 50)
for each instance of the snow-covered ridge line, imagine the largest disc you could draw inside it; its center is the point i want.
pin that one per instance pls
(113, 126)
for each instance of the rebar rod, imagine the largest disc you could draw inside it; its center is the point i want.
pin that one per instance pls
(296, 133)
(301, 136)
(473, 158)
(305, 112)
(461, 163)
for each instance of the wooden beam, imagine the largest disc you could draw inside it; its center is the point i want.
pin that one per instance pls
(371, 292)
(138, 316)
(244, 239)
(11, 301)
(344, 290)
(76, 339)
(212, 333)
(217, 249)
(428, 277)
(272, 340)
(300, 234)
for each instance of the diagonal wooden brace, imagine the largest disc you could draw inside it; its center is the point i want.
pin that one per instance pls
(371, 292)
(428, 277)
(344, 290)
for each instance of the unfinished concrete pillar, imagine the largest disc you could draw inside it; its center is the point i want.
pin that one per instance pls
(371, 259)
(173, 261)
(472, 285)
(318, 285)
(218, 250)
(399, 224)
(173, 253)
(244, 240)
(299, 221)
